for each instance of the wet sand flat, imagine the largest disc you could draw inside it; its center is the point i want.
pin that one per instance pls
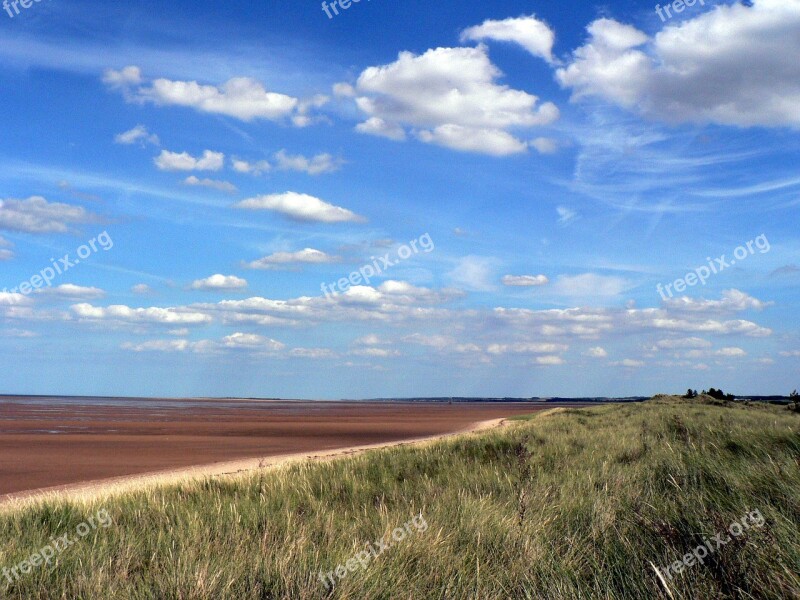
(46, 444)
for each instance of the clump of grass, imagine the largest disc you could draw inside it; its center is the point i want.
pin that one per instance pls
(571, 504)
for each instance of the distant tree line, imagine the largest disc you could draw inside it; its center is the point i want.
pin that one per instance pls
(713, 392)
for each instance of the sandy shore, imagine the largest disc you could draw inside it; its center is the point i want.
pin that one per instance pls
(94, 490)
(83, 450)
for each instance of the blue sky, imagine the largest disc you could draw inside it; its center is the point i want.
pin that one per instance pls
(214, 164)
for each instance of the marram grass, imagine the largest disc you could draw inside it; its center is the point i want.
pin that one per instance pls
(568, 505)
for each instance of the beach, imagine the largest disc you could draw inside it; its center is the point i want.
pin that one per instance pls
(53, 443)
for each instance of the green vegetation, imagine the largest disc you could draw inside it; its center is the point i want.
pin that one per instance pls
(571, 504)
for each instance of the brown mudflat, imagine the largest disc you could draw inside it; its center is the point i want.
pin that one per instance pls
(46, 444)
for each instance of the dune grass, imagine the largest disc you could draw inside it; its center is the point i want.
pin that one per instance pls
(579, 503)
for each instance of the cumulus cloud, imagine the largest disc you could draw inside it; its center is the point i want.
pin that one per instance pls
(526, 348)
(301, 207)
(242, 98)
(141, 288)
(525, 280)
(138, 134)
(252, 168)
(731, 301)
(37, 215)
(529, 32)
(316, 165)
(283, 260)
(472, 335)
(449, 97)
(183, 161)
(725, 66)
(381, 128)
(126, 314)
(241, 342)
(683, 343)
(219, 282)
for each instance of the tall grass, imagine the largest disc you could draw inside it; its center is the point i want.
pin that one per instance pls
(573, 504)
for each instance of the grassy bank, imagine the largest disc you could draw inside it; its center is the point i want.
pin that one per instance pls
(574, 504)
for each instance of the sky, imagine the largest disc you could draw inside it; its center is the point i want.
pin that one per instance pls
(397, 199)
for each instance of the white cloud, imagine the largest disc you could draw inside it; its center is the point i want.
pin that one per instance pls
(628, 363)
(69, 290)
(590, 285)
(242, 98)
(137, 134)
(732, 301)
(731, 352)
(37, 215)
(450, 97)
(526, 348)
(343, 90)
(474, 273)
(301, 207)
(126, 314)
(183, 161)
(321, 163)
(223, 186)
(529, 32)
(790, 353)
(725, 66)
(683, 343)
(381, 128)
(566, 215)
(525, 280)
(495, 142)
(596, 352)
(256, 168)
(251, 340)
(246, 342)
(126, 77)
(281, 260)
(158, 346)
(219, 282)
(545, 145)
(370, 339)
(5, 252)
(141, 288)
(312, 353)
(374, 352)
(549, 361)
